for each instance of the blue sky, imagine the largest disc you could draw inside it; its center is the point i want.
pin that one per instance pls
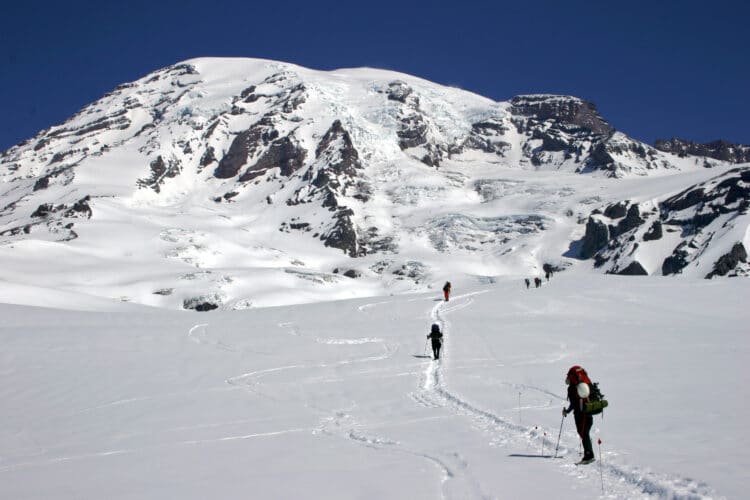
(654, 69)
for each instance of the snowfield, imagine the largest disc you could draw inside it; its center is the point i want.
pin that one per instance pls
(337, 400)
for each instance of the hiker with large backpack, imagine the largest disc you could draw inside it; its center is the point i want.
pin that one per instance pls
(585, 401)
(437, 340)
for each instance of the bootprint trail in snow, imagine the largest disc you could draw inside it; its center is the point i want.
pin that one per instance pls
(619, 480)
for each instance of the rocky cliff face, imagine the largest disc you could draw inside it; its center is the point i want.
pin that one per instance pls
(569, 132)
(566, 112)
(682, 228)
(718, 150)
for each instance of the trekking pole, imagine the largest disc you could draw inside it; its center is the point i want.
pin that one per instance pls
(425, 346)
(544, 438)
(558, 435)
(601, 474)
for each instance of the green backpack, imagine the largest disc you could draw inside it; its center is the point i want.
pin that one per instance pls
(595, 403)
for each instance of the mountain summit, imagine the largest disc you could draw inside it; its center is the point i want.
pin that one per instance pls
(228, 182)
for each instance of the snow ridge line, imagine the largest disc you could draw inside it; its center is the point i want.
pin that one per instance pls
(670, 487)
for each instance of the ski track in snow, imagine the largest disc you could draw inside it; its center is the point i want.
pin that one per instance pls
(107, 453)
(457, 480)
(620, 481)
(343, 425)
(250, 380)
(198, 334)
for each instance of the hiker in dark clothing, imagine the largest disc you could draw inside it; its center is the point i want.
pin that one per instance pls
(546, 275)
(447, 290)
(437, 340)
(583, 421)
(528, 283)
(537, 282)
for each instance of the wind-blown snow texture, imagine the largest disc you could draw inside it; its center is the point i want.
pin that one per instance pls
(336, 400)
(228, 183)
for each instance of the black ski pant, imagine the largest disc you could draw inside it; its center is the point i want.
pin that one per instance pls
(436, 349)
(583, 426)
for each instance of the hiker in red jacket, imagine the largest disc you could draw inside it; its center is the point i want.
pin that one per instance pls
(447, 290)
(578, 389)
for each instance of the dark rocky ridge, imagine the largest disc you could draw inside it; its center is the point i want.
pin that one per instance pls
(245, 145)
(718, 150)
(729, 262)
(285, 154)
(690, 212)
(563, 109)
(573, 127)
(413, 124)
(335, 175)
(160, 171)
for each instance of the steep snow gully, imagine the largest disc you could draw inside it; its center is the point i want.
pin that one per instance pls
(458, 479)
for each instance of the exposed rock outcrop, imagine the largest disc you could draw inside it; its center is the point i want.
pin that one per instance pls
(245, 145)
(596, 237)
(728, 262)
(160, 171)
(699, 214)
(285, 154)
(633, 269)
(718, 150)
(565, 110)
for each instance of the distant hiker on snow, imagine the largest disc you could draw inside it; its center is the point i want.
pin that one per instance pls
(579, 389)
(447, 290)
(437, 340)
(546, 275)
(537, 282)
(528, 283)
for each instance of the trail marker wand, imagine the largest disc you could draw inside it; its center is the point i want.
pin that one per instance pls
(601, 474)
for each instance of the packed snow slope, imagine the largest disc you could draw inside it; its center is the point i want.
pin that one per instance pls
(337, 400)
(237, 183)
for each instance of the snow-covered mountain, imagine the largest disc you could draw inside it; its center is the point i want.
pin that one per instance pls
(239, 184)
(228, 182)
